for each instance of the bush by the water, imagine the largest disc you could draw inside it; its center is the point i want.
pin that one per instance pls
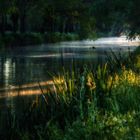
(17, 39)
(57, 37)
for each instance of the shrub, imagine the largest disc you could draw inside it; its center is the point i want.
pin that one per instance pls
(52, 37)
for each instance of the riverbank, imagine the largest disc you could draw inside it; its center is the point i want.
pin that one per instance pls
(89, 104)
(17, 39)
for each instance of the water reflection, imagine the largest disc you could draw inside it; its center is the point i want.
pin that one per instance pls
(26, 89)
(22, 67)
(9, 71)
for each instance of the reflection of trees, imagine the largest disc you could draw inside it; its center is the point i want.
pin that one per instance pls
(8, 76)
(1, 71)
(8, 71)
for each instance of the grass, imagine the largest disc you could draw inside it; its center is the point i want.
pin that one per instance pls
(102, 104)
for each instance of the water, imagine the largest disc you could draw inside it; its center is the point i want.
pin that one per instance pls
(22, 67)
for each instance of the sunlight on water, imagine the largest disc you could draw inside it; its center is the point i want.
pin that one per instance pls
(7, 71)
(107, 42)
(119, 41)
(28, 89)
(50, 55)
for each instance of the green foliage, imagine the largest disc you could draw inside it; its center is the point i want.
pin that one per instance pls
(16, 39)
(133, 18)
(57, 37)
(70, 37)
(32, 38)
(85, 18)
(52, 37)
(108, 126)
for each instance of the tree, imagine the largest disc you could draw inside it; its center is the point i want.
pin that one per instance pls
(4, 7)
(133, 18)
(79, 16)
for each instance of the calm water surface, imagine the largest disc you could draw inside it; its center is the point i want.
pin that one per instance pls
(22, 67)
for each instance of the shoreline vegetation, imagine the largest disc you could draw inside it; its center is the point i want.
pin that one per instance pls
(24, 39)
(11, 39)
(88, 104)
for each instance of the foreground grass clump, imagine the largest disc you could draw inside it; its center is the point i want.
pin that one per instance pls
(82, 104)
(102, 104)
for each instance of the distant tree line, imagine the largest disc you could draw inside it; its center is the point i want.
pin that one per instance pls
(70, 16)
